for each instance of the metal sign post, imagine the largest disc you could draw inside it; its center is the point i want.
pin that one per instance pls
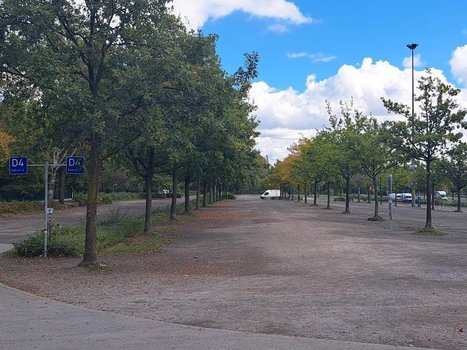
(390, 199)
(46, 207)
(19, 166)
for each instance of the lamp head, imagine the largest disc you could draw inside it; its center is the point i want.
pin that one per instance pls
(412, 46)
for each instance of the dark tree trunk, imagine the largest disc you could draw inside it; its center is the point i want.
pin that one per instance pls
(428, 222)
(149, 174)
(187, 195)
(347, 195)
(315, 198)
(90, 247)
(205, 188)
(210, 193)
(198, 185)
(306, 195)
(329, 196)
(358, 194)
(148, 208)
(459, 207)
(298, 194)
(369, 195)
(61, 192)
(375, 186)
(173, 207)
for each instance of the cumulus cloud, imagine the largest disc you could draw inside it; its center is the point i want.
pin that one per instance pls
(458, 64)
(417, 61)
(200, 11)
(287, 114)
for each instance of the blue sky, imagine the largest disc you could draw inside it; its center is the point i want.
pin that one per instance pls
(312, 51)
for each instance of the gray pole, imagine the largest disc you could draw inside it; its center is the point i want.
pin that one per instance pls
(46, 206)
(390, 199)
(412, 47)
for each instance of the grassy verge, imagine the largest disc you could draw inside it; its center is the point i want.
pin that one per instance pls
(117, 235)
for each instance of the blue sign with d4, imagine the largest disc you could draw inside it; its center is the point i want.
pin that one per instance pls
(75, 165)
(18, 165)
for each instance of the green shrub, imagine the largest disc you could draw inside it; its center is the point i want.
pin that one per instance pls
(228, 196)
(102, 198)
(64, 241)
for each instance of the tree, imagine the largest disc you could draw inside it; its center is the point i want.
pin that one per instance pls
(82, 57)
(345, 137)
(425, 136)
(455, 168)
(374, 154)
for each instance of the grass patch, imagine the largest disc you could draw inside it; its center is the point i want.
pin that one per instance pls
(117, 235)
(376, 218)
(429, 232)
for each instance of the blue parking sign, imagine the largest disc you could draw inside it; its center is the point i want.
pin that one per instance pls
(18, 165)
(75, 165)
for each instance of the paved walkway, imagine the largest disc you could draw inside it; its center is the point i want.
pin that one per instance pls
(30, 322)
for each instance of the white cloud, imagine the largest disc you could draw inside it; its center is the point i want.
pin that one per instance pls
(287, 114)
(458, 64)
(417, 61)
(315, 57)
(278, 28)
(198, 12)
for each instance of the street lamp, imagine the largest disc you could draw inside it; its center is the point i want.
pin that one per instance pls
(412, 48)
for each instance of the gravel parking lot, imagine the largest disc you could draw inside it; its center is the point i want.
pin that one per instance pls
(281, 267)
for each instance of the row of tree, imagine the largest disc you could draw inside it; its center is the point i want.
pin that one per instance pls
(356, 146)
(124, 82)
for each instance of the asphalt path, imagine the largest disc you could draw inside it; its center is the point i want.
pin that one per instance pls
(30, 322)
(16, 228)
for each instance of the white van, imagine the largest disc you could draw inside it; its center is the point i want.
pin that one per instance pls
(401, 197)
(442, 195)
(272, 194)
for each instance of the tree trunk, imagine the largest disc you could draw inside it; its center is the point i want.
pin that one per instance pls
(187, 195)
(61, 193)
(197, 193)
(358, 194)
(433, 196)
(173, 207)
(306, 196)
(375, 186)
(459, 207)
(90, 248)
(329, 196)
(298, 193)
(149, 174)
(369, 195)
(210, 193)
(347, 195)
(315, 198)
(205, 188)
(148, 208)
(428, 223)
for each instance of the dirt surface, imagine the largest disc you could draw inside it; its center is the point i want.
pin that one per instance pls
(284, 268)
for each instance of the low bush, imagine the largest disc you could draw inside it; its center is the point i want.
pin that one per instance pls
(63, 241)
(228, 196)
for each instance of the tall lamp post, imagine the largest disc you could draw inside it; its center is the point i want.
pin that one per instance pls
(412, 48)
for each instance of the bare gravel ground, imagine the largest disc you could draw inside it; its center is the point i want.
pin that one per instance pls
(284, 268)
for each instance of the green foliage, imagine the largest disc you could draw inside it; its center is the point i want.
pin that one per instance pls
(228, 196)
(102, 198)
(430, 231)
(63, 242)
